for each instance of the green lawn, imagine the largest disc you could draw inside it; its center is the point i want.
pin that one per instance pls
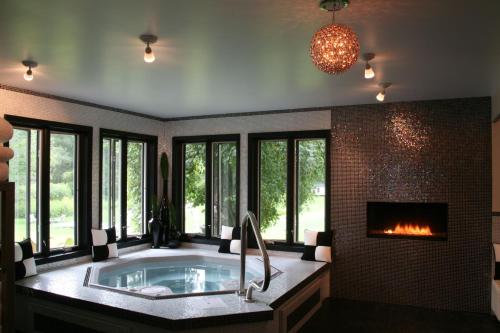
(312, 218)
(62, 234)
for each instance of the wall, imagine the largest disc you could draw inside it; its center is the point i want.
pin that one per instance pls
(25, 105)
(294, 121)
(495, 181)
(436, 151)
(495, 154)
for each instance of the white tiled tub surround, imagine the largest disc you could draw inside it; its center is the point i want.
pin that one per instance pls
(270, 308)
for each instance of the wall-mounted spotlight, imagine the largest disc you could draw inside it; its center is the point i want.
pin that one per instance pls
(28, 76)
(381, 94)
(148, 39)
(369, 73)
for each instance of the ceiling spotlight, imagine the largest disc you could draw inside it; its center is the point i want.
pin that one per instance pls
(148, 39)
(28, 76)
(381, 94)
(369, 73)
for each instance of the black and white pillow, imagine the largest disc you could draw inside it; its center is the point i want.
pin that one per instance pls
(317, 246)
(104, 244)
(230, 240)
(496, 247)
(24, 259)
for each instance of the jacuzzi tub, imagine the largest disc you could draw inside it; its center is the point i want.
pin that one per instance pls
(57, 295)
(174, 276)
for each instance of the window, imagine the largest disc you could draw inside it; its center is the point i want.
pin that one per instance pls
(51, 170)
(288, 183)
(128, 182)
(25, 173)
(206, 183)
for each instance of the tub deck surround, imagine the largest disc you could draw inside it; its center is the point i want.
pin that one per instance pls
(66, 286)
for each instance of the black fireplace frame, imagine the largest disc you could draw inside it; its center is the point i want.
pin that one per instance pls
(435, 205)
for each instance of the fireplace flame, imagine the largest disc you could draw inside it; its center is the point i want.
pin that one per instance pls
(410, 229)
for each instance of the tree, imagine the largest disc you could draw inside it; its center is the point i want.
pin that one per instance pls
(194, 170)
(134, 186)
(273, 176)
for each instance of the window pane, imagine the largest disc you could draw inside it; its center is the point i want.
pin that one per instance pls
(63, 175)
(224, 186)
(136, 212)
(24, 172)
(273, 189)
(194, 188)
(111, 183)
(310, 186)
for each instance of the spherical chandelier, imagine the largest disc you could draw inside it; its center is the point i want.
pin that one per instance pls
(334, 47)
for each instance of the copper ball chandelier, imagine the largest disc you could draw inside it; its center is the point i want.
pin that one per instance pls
(334, 47)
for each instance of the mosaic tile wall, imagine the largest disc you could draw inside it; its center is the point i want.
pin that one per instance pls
(496, 229)
(431, 151)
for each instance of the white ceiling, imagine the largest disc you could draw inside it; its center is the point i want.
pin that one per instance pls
(226, 56)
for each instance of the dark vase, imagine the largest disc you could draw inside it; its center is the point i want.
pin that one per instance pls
(156, 228)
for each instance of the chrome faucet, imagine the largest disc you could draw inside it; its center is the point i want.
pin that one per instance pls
(249, 216)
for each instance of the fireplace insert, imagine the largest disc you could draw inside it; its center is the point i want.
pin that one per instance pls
(411, 220)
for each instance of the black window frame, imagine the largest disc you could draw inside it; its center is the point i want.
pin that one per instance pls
(151, 181)
(84, 185)
(253, 180)
(178, 179)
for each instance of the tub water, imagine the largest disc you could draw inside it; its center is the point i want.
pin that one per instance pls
(167, 277)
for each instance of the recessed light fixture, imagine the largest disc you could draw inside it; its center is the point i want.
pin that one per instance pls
(381, 94)
(335, 47)
(149, 39)
(369, 73)
(28, 76)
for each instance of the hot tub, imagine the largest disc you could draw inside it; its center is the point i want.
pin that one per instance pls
(129, 293)
(174, 276)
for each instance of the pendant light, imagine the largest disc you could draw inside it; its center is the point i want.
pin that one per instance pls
(28, 76)
(334, 47)
(149, 39)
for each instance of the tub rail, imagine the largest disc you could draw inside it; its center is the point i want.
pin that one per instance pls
(264, 284)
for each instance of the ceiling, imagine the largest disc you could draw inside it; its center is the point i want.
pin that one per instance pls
(227, 56)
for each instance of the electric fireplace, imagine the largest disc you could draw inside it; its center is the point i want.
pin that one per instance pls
(407, 220)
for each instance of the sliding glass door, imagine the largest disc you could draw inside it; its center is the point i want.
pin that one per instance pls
(206, 183)
(25, 173)
(224, 181)
(288, 183)
(128, 182)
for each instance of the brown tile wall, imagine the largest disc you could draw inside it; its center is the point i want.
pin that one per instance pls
(434, 151)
